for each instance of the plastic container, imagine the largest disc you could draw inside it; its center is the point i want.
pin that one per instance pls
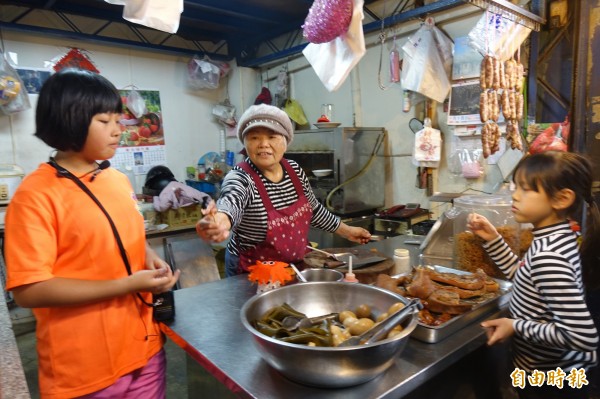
(394, 65)
(401, 261)
(128, 170)
(204, 186)
(10, 178)
(469, 254)
(405, 101)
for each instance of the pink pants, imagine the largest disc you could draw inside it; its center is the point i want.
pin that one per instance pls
(149, 382)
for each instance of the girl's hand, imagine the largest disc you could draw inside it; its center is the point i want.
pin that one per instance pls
(498, 330)
(154, 281)
(214, 226)
(482, 227)
(153, 261)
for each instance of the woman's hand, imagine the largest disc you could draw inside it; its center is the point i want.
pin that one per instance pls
(214, 226)
(498, 330)
(482, 227)
(353, 233)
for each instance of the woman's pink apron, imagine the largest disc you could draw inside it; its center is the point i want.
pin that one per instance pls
(287, 228)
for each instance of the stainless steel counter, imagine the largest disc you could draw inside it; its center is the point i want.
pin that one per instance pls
(208, 327)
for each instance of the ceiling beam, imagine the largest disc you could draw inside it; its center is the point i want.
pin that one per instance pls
(91, 38)
(235, 9)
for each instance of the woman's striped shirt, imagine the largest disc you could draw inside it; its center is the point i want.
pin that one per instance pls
(240, 200)
(553, 327)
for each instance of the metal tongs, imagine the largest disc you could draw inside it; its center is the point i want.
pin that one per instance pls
(383, 328)
(292, 323)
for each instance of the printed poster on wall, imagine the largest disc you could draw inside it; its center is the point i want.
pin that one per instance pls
(467, 61)
(464, 104)
(143, 142)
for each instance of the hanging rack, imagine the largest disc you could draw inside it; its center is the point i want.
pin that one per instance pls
(510, 12)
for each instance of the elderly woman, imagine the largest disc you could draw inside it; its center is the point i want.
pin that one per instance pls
(266, 201)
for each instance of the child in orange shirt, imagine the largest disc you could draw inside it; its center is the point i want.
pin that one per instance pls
(95, 335)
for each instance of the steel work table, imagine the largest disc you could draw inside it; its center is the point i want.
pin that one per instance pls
(208, 327)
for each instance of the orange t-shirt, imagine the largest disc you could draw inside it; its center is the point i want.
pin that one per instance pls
(54, 229)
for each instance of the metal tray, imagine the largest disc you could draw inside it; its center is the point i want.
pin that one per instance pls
(433, 334)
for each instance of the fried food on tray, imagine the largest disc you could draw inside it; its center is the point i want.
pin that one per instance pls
(444, 295)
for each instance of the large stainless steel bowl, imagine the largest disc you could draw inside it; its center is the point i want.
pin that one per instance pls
(321, 274)
(324, 366)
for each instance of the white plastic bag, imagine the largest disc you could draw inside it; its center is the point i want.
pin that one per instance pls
(333, 61)
(13, 96)
(496, 35)
(163, 15)
(427, 62)
(225, 113)
(136, 104)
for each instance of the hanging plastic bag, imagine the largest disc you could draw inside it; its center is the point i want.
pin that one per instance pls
(295, 112)
(224, 67)
(225, 113)
(136, 104)
(496, 35)
(13, 96)
(466, 163)
(427, 62)
(548, 136)
(163, 15)
(427, 150)
(333, 61)
(281, 89)
(203, 74)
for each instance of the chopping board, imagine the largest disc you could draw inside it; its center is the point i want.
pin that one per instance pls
(366, 274)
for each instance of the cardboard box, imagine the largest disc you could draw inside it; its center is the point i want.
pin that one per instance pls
(187, 216)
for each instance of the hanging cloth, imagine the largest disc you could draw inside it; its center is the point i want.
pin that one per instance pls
(334, 60)
(163, 15)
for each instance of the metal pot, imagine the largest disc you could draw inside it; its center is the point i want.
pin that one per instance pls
(322, 274)
(330, 367)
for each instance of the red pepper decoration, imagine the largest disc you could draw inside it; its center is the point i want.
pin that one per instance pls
(75, 59)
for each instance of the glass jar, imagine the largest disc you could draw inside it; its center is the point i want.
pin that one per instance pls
(469, 254)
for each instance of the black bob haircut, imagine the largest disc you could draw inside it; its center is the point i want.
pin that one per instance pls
(68, 101)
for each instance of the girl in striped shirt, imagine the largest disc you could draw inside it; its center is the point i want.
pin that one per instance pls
(549, 320)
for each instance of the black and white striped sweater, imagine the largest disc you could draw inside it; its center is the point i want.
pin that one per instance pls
(240, 200)
(553, 327)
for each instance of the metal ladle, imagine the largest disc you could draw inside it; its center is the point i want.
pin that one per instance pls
(298, 274)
